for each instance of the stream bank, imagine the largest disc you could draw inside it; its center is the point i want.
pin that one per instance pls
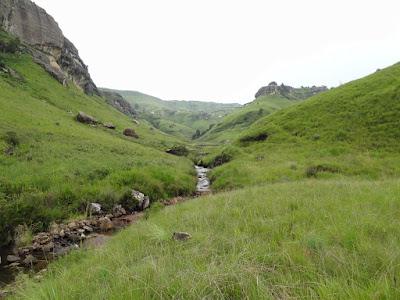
(63, 238)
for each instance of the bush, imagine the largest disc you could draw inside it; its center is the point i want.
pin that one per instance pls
(178, 151)
(255, 138)
(221, 159)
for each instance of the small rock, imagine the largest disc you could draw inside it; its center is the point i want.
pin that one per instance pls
(131, 133)
(29, 260)
(105, 224)
(14, 265)
(48, 247)
(181, 236)
(86, 119)
(109, 126)
(13, 259)
(95, 208)
(73, 226)
(88, 228)
(118, 211)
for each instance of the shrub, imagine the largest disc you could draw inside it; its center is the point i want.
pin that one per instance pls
(178, 151)
(221, 159)
(255, 138)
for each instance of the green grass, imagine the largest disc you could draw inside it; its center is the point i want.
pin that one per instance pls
(58, 164)
(301, 240)
(352, 130)
(178, 118)
(227, 130)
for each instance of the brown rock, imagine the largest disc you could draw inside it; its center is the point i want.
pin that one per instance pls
(86, 119)
(131, 133)
(109, 126)
(105, 224)
(29, 260)
(13, 259)
(181, 236)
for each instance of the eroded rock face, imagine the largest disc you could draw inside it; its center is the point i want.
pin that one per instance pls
(48, 46)
(273, 89)
(118, 102)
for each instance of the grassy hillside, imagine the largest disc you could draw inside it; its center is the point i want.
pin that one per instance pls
(180, 118)
(351, 130)
(227, 130)
(51, 165)
(303, 240)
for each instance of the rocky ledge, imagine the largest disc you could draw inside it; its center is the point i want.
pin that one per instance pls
(49, 47)
(273, 89)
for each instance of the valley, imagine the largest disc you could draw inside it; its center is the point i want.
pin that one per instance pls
(111, 194)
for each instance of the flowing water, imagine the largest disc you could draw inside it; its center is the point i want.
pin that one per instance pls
(203, 183)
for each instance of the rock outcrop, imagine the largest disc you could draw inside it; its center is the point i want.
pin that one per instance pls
(44, 39)
(273, 89)
(118, 102)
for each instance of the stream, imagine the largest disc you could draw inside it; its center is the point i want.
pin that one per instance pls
(203, 183)
(95, 239)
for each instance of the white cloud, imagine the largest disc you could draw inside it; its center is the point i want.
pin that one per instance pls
(224, 50)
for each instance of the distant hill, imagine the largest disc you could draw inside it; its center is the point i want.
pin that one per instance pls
(185, 119)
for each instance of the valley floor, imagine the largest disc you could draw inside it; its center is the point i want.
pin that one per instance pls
(332, 239)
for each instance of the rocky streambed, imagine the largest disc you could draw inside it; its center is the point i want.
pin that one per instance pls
(203, 183)
(63, 238)
(90, 232)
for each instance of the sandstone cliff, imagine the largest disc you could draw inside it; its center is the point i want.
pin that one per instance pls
(290, 92)
(46, 42)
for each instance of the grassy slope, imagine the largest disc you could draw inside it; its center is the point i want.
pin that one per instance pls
(311, 239)
(180, 118)
(61, 164)
(351, 130)
(226, 131)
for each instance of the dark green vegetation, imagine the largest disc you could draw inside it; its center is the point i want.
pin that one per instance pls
(52, 166)
(184, 119)
(352, 130)
(300, 240)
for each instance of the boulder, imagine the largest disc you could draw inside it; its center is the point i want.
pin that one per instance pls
(131, 133)
(95, 208)
(181, 236)
(105, 224)
(13, 259)
(118, 211)
(86, 119)
(143, 202)
(109, 126)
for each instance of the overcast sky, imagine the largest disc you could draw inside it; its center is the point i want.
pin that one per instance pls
(224, 50)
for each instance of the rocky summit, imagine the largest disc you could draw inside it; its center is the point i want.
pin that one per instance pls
(290, 92)
(50, 48)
